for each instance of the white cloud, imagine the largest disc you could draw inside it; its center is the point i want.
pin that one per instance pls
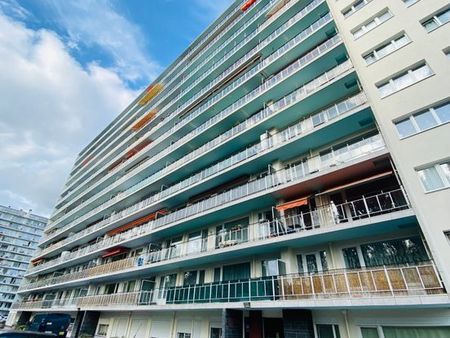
(97, 23)
(50, 107)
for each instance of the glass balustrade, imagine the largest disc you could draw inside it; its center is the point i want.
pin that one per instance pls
(323, 217)
(296, 95)
(302, 13)
(386, 281)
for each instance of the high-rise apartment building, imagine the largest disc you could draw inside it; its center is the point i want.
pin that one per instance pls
(287, 176)
(20, 233)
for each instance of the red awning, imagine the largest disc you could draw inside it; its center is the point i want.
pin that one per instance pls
(247, 5)
(355, 183)
(293, 204)
(137, 222)
(114, 252)
(36, 261)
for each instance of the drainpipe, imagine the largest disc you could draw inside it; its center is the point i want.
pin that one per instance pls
(172, 330)
(345, 313)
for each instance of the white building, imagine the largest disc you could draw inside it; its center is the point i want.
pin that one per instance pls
(20, 233)
(287, 176)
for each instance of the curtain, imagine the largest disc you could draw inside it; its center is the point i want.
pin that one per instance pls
(395, 252)
(236, 272)
(416, 332)
(369, 332)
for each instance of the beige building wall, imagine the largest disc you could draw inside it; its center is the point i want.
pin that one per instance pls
(425, 148)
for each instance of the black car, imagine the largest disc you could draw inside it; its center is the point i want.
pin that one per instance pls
(25, 334)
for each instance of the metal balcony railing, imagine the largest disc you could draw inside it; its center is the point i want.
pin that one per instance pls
(268, 182)
(307, 58)
(420, 279)
(323, 217)
(242, 43)
(238, 63)
(290, 99)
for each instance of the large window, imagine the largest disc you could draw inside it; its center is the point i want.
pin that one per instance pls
(354, 7)
(328, 331)
(423, 120)
(372, 23)
(351, 258)
(236, 272)
(410, 2)
(435, 177)
(387, 48)
(437, 20)
(416, 332)
(394, 252)
(405, 79)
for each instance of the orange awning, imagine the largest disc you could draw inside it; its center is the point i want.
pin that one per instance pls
(355, 183)
(137, 148)
(247, 5)
(293, 204)
(152, 91)
(144, 120)
(114, 252)
(137, 222)
(36, 261)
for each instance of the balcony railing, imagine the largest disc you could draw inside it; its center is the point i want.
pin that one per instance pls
(267, 182)
(301, 127)
(420, 279)
(310, 56)
(323, 217)
(215, 52)
(241, 61)
(290, 99)
(242, 43)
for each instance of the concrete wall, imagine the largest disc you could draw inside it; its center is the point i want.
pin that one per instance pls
(428, 147)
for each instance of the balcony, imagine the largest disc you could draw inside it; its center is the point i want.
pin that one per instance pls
(268, 183)
(173, 79)
(340, 216)
(297, 96)
(306, 126)
(387, 285)
(264, 45)
(301, 63)
(242, 44)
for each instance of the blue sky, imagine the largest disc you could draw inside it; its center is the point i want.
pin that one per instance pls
(67, 68)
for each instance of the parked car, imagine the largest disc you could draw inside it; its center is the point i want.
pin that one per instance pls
(25, 334)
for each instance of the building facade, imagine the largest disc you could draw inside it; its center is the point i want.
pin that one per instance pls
(287, 176)
(20, 233)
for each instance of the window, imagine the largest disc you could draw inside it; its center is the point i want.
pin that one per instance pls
(351, 258)
(437, 20)
(354, 7)
(424, 120)
(102, 330)
(216, 332)
(328, 331)
(405, 79)
(273, 267)
(410, 2)
(300, 264)
(373, 23)
(386, 49)
(435, 177)
(369, 332)
(447, 52)
(417, 332)
(394, 252)
(184, 335)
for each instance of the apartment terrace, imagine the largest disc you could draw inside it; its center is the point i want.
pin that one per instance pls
(342, 216)
(385, 286)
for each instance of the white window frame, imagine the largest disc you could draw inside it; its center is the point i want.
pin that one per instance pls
(409, 3)
(416, 126)
(436, 19)
(374, 22)
(411, 73)
(351, 9)
(440, 172)
(392, 41)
